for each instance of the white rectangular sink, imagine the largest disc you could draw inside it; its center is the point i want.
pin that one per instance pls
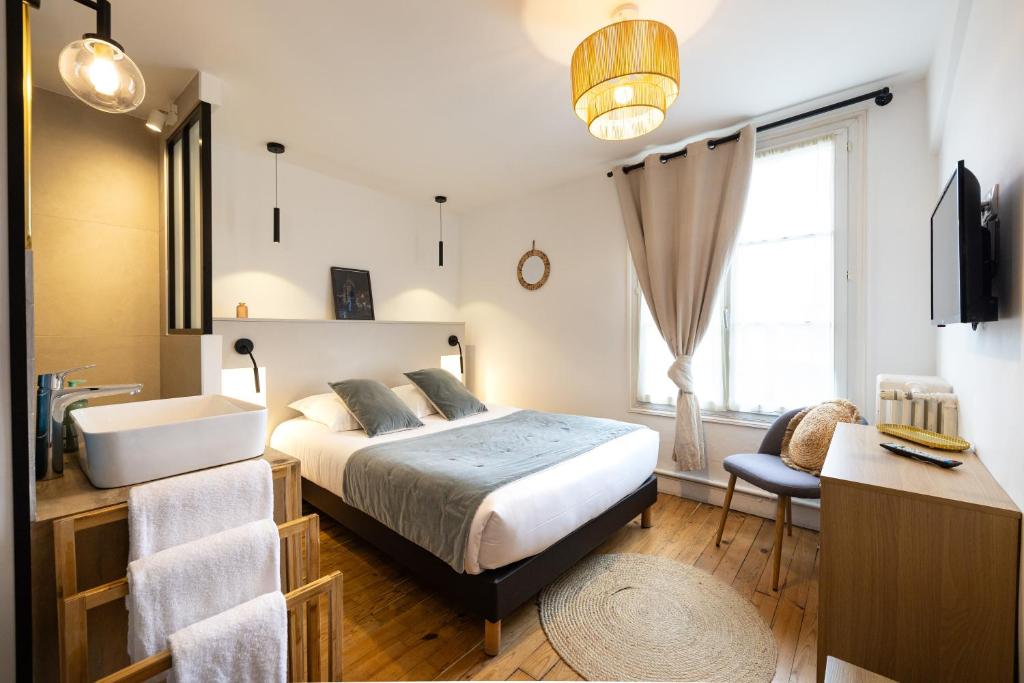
(129, 443)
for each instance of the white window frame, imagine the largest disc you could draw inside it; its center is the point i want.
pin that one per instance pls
(850, 348)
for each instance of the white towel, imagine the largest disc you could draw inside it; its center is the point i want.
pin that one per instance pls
(245, 643)
(177, 510)
(177, 587)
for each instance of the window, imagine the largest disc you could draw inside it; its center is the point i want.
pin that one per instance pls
(189, 218)
(778, 336)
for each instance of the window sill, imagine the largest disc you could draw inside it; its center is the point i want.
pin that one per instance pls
(755, 420)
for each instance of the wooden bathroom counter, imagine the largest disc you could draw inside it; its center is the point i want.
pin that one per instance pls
(73, 493)
(102, 555)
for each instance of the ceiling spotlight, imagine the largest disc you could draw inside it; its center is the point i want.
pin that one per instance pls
(161, 118)
(97, 70)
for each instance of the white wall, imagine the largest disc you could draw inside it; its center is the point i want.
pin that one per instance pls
(900, 171)
(564, 347)
(324, 222)
(982, 126)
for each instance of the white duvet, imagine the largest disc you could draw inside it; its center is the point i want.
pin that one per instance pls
(515, 521)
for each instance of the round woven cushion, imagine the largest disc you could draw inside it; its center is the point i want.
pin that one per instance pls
(632, 617)
(807, 438)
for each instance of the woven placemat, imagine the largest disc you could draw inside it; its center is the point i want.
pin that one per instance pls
(628, 617)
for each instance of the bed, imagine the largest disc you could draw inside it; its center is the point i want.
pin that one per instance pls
(522, 535)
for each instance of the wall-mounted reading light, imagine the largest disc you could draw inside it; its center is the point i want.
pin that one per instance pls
(245, 346)
(277, 149)
(97, 70)
(454, 341)
(161, 118)
(440, 199)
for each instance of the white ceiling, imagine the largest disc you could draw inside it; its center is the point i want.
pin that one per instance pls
(470, 98)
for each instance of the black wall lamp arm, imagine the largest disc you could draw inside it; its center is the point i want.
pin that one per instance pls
(454, 341)
(102, 9)
(244, 347)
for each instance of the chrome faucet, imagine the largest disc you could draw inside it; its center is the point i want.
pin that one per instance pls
(48, 383)
(59, 400)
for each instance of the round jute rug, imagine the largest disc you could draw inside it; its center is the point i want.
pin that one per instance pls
(632, 617)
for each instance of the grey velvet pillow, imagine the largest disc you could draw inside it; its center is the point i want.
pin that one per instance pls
(449, 395)
(376, 408)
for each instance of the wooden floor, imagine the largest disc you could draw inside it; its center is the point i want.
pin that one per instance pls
(397, 629)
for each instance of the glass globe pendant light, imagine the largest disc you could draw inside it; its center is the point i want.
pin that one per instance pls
(625, 76)
(97, 70)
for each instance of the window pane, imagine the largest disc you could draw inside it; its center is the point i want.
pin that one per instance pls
(654, 359)
(178, 212)
(781, 337)
(708, 377)
(196, 223)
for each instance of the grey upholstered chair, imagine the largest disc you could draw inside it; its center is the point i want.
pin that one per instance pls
(766, 470)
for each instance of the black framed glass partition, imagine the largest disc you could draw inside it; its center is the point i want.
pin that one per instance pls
(189, 230)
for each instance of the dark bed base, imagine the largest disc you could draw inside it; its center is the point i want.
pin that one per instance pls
(495, 593)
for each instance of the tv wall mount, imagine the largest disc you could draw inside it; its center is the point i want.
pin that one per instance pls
(990, 222)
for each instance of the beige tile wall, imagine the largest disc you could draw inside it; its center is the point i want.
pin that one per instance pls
(96, 238)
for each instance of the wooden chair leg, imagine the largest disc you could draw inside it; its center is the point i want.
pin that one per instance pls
(647, 518)
(725, 509)
(789, 516)
(780, 517)
(492, 637)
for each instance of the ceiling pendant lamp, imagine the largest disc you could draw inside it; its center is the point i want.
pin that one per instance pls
(277, 149)
(440, 199)
(625, 76)
(97, 70)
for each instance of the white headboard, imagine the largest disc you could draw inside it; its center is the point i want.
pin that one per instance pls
(302, 356)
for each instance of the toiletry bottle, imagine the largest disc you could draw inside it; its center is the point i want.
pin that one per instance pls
(45, 387)
(242, 311)
(70, 435)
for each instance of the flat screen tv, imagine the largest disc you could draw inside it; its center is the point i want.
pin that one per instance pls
(961, 251)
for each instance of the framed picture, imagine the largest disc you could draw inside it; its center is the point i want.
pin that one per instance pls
(353, 298)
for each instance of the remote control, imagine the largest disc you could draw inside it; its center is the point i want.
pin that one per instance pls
(899, 449)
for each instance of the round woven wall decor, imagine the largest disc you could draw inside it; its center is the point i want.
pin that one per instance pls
(629, 617)
(522, 263)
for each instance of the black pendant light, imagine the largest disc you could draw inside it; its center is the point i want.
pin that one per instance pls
(277, 149)
(440, 199)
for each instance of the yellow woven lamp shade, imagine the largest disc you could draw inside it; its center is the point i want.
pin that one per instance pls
(624, 77)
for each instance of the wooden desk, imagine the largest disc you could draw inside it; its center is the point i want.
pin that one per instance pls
(102, 555)
(918, 564)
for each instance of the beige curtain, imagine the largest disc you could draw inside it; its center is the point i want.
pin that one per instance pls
(682, 218)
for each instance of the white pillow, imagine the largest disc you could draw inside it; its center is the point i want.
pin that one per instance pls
(327, 409)
(415, 399)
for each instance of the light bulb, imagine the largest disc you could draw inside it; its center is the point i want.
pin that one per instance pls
(99, 73)
(623, 94)
(103, 75)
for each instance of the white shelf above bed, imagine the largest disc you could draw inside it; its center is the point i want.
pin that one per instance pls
(346, 322)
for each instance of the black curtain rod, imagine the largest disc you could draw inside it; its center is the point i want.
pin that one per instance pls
(881, 97)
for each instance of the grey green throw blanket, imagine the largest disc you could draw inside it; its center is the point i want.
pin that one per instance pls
(428, 488)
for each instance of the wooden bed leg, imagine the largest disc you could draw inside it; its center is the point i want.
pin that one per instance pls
(647, 518)
(492, 637)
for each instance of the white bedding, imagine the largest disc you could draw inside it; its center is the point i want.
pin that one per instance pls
(515, 521)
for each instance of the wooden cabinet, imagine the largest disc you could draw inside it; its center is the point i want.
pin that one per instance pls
(918, 564)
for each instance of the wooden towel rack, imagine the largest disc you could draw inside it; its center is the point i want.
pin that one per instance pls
(329, 585)
(302, 580)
